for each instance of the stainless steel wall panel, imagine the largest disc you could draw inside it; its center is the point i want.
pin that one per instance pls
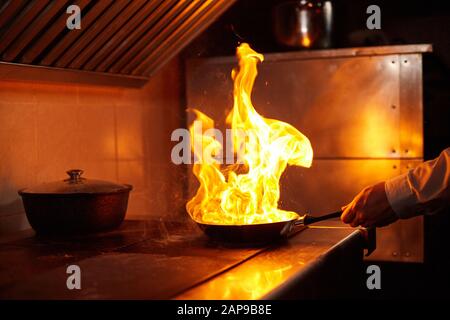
(355, 99)
(411, 114)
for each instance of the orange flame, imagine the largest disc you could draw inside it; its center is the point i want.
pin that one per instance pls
(246, 193)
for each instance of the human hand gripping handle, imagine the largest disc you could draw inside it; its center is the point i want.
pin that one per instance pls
(370, 208)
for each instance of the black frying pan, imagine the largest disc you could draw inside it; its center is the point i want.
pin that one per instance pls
(261, 232)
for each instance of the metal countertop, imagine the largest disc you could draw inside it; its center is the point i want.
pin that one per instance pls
(164, 260)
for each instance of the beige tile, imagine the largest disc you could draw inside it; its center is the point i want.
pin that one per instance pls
(76, 137)
(98, 169)
(57, 139)
(158, 125)
(54, 93)
(18, 155)
(11, 224)
(139, 205)
(130, 97)
(17, 118)
(163, 113)
(98, 95)
(115, 134)
(141, 197)
(152, 193)
(131, 135)
(13, 206)
(17, 92)
(134, 173)
(96, 132)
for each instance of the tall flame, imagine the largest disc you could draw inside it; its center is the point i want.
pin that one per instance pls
(246, 193)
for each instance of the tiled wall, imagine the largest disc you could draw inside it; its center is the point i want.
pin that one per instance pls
(115, 134)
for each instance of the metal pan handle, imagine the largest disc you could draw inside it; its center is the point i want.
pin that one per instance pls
(307, 219)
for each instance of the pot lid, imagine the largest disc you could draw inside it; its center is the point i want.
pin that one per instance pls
(76, 184)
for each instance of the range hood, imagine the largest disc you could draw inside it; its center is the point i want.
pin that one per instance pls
(119, 43)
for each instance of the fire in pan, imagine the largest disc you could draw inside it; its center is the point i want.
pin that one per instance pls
(262, 232)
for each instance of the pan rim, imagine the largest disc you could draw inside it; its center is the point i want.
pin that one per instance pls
(245, 225)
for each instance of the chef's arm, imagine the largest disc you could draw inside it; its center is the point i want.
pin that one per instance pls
(422, 190)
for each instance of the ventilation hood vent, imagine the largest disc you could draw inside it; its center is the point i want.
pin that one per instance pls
(120, 42)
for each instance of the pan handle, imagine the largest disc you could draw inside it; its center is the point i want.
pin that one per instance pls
(307, 219)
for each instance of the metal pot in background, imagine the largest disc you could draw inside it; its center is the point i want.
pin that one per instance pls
(75, 205)
(303, 24)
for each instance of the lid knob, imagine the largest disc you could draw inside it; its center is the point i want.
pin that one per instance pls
(75, 175)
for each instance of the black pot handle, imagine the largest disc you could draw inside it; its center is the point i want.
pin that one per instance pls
(75, 175)
(307, 219)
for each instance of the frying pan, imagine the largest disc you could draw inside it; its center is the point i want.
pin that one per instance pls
(263, 232)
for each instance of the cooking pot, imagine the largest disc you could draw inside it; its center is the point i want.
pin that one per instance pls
(303, 23)
(76, 205)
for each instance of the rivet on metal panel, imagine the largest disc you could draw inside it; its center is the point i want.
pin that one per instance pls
(394, 167)
(395, 253)
(406, 150)
(393, 61)
(405, 61)
(393, 106)
(407, 254)
(394, 151)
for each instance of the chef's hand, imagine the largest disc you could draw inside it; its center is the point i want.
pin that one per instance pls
(369, 208)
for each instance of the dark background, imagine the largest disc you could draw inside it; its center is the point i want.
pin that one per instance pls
(402, 22)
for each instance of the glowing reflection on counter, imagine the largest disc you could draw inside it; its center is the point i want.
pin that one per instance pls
(251, 281)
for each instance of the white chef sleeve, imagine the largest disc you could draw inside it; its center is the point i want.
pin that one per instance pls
(423, 189)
